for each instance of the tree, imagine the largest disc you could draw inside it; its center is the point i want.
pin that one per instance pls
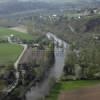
(70, 63)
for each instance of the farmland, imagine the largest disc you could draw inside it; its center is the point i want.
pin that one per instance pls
(4, 32)
(9, 53)
(64, 86)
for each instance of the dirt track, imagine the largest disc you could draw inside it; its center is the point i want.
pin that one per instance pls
(91, 93)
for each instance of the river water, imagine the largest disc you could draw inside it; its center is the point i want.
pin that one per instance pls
(42, 89)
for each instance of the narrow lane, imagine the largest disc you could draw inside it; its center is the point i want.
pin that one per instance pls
(19, 58)
(13, 86)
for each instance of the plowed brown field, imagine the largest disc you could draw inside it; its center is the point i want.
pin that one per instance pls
(91, 93)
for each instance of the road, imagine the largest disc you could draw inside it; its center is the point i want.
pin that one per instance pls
(19, 58)
(13, 86)
(42, 89)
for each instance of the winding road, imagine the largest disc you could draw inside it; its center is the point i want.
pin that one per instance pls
(13, 86)
(19, 58)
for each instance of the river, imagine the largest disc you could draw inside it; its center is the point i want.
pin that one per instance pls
(42, 89)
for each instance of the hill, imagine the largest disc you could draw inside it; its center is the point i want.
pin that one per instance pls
(10, 6)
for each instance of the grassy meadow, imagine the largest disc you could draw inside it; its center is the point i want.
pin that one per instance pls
(9, 53)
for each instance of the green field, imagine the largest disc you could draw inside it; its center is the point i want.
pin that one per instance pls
(70, 85)
(4, 32)
(2, 85)
(9, 53)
